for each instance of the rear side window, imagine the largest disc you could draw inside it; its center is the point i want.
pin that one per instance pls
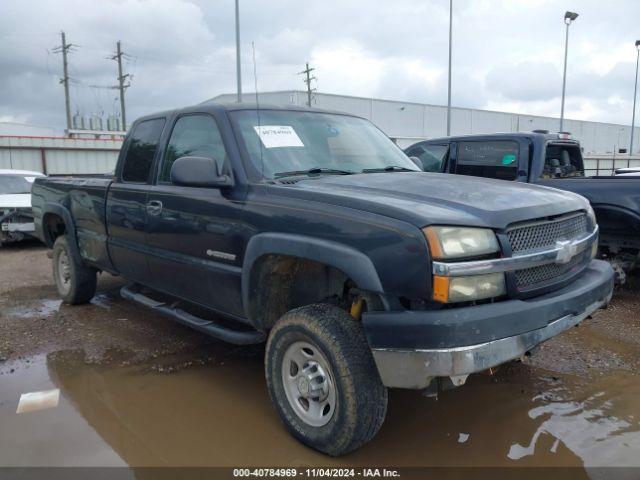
(195, 136)
(563, 161)
(431, 156)
(142, 148)
(492, 159)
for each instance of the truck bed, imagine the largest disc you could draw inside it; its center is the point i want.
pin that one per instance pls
(85, 199)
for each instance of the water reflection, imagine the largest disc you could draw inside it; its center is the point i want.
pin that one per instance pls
(219, 414)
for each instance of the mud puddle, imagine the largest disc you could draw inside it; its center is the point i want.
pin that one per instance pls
(218, 413)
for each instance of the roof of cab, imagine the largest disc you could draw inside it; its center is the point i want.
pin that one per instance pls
(211, 107)
(478, 136)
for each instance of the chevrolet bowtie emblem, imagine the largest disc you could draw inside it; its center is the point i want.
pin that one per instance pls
(566, 251)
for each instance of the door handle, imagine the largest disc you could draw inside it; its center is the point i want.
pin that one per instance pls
(154, 207)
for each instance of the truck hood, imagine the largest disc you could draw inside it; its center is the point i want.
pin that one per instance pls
(22, 200)
(437, 198)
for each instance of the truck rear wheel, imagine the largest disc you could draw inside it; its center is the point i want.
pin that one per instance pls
(76, 283)
(322, 379)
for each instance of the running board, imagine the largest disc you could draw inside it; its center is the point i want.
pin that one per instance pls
(209, 327)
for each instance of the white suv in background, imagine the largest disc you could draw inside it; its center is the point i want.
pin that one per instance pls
(16, 218)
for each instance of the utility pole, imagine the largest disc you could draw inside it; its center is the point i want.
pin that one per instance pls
(450, 51)
(635, 94)
(121, 82)
(568, 18)
(307, 72)
(64, 48)
(238, 68)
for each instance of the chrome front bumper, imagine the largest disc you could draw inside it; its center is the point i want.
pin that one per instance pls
(415, 369)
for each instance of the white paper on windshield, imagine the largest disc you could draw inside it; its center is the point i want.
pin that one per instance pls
(274, 136)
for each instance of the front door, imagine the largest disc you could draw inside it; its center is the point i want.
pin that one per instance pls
(194, 234)
(127, 202)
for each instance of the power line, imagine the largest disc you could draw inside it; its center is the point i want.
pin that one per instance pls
(65, 48)
(308, 78)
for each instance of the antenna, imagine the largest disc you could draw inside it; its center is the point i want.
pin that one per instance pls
(255, 82)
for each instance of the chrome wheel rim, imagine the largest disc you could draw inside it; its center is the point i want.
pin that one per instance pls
(308, 383)
(64, 272)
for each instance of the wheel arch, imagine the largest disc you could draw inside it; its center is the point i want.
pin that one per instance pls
(56, 221)
(307, 252)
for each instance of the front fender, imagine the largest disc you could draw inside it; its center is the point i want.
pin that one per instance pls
(352, 262)
(614, 218)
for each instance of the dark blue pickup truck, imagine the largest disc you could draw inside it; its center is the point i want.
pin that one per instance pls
(550, 159)
(312, 231)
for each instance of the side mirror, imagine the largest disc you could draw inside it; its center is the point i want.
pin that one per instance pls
(417, 161)
(198, 172)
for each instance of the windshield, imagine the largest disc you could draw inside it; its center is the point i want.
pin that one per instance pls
(14, 184)
(283, 141)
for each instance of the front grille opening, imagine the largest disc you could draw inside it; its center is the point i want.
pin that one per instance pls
(531, 278)
(543, 234)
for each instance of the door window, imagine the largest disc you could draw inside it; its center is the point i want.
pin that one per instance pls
(195, 136)
(431, 156)
(490, 159)
(142, 148)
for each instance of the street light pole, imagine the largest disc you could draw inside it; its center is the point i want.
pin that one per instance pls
(238, 69)
(449, 87)
(568, 18)
(635, 92)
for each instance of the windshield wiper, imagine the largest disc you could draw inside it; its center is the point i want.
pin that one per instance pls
(390, 168)
(312, 171)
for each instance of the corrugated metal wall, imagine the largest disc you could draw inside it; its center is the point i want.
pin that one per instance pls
(58, 155)
(410, 122)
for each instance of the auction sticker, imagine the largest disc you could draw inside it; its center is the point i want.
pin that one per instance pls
(274, 136)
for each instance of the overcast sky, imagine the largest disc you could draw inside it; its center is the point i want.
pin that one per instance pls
(507, 54)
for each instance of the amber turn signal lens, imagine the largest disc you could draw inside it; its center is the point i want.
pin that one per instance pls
(441, 289)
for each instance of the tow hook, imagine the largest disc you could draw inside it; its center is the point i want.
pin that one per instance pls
(356, 308)
(440, 384)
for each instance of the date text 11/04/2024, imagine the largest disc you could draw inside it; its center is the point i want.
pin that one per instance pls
(316, 472)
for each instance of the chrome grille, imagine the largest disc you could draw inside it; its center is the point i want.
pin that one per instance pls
(543, 235)
(531, 277)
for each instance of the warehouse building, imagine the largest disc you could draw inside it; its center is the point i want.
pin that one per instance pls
(59, 155)
(408, 122)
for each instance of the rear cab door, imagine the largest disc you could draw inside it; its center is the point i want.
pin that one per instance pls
(126, 215)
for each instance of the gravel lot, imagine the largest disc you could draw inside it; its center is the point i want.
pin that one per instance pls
(139, 389)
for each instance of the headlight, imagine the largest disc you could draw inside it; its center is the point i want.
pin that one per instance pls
(459, 242)
(592, 216)
(466, 289)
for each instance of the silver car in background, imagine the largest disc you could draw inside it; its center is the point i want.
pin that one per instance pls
(16, 217)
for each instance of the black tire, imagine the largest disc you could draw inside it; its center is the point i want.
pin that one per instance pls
(81, 280)
(360, 397)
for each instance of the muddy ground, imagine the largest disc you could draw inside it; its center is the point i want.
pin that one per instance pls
(140, 390)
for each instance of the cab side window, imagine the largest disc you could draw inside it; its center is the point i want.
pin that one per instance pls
(141, 150)
(193, 136)
(489, 159)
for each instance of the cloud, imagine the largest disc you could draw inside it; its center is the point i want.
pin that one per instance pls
(507, 54)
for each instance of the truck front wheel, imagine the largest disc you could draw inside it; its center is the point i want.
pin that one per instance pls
(76, 283)
(322, 379)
